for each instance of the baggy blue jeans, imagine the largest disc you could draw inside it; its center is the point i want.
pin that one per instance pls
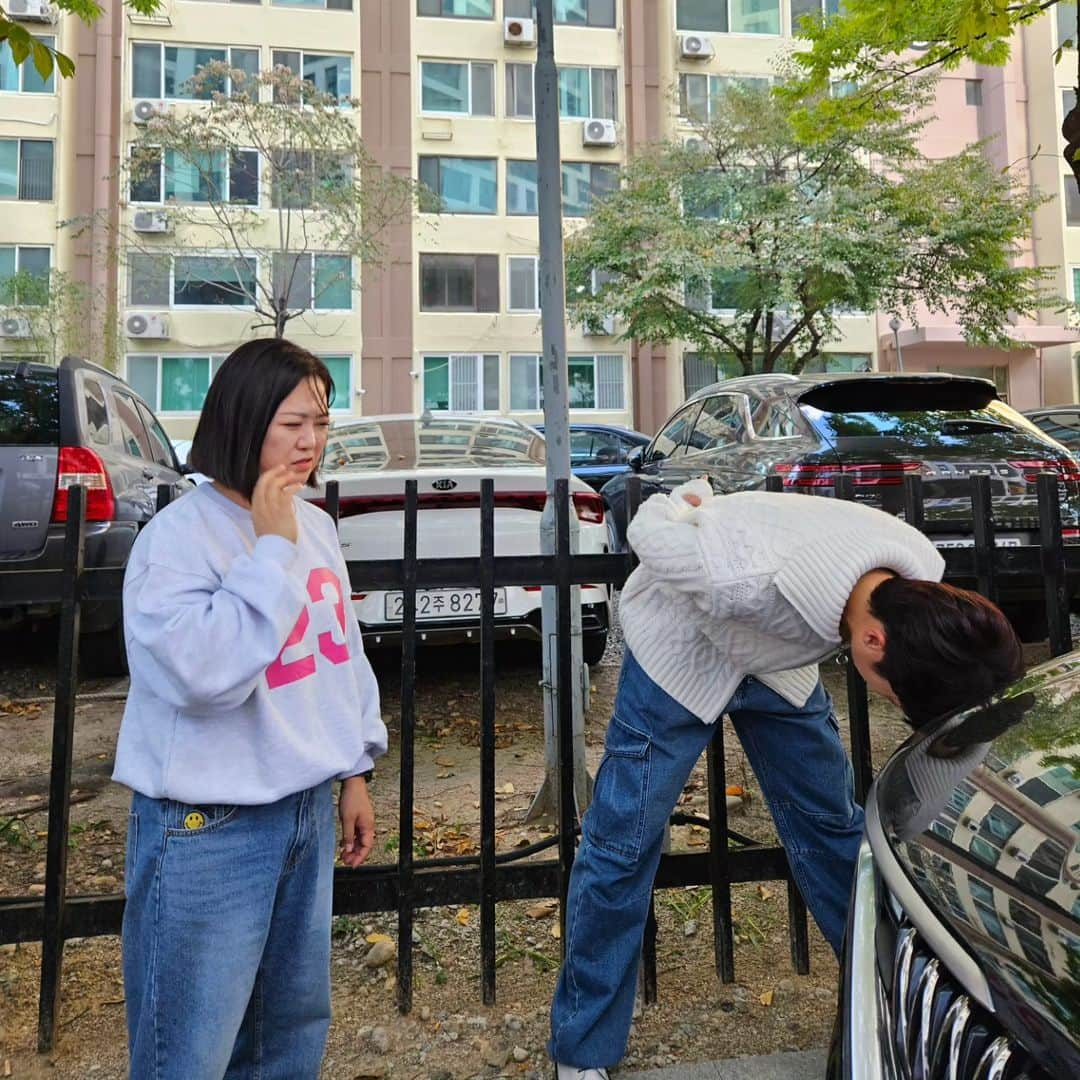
(226, 938)
(651, 746)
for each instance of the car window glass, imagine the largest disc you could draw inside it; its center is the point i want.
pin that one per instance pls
(581, 448)
(608, 449)
(159, 441)
(671, 442)
(95, 413)
(720, 424)
(771, 419)
(132, 434)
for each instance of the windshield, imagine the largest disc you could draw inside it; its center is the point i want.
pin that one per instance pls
(29, 409)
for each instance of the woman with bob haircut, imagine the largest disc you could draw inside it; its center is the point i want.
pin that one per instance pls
(250, 695)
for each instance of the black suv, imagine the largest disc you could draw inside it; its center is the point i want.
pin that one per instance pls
(77, 424)
(874, 429)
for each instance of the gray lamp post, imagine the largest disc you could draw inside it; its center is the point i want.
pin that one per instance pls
(894, 326)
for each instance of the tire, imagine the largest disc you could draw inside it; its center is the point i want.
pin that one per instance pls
(102, 653)
(593, 646)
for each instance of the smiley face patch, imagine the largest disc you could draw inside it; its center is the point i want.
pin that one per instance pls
(194, 820)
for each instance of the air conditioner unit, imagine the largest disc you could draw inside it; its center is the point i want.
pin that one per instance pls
(971, 823)
(151, 221)
(145, 109)
(1015, 778)
(14, 326)
(604, 327)
(1018, 854)
(695, 143)
(695, 46)
(519, 32)
(144, 325)
(599, 133)
(31, 10)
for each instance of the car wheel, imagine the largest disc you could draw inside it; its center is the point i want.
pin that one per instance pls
(102, 653)
(593, 646)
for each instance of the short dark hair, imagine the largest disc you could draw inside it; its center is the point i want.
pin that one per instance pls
(946, 648)
(243, 397)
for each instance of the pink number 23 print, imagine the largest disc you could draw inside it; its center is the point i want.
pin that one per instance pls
(281, 672)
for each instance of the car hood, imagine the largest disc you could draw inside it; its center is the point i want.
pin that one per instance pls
(982, 811)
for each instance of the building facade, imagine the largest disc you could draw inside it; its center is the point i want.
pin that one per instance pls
(450, 318)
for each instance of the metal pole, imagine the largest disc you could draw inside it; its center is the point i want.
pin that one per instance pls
(894, 326)
(556, 421)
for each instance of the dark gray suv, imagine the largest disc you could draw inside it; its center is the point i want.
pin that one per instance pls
(77, 423)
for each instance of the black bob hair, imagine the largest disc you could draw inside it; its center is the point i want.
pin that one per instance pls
(242, 400)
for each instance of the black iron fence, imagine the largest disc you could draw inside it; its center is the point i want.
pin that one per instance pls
(1050, 568)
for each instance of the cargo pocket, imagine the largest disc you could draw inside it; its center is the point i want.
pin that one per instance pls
(615, 820)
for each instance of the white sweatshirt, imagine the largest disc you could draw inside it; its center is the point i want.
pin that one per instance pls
(248, 675)
(753, 583)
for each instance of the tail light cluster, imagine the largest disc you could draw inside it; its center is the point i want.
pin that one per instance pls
(588, 505)
(862, 474)
(80, 465)
(1068, 471)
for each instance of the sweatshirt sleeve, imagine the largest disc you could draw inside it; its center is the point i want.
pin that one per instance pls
(204, 644)
(665, 535)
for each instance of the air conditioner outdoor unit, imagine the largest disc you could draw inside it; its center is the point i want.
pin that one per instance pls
(604, 327)
(144, 325)
(31, 10)
(695, 143)
(695, 46)
(145, 109)
(599, 133)
(151, 221)
(14, 326)
(519, 32)
(971, 823)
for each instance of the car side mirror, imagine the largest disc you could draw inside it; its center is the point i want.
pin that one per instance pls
(636, 458)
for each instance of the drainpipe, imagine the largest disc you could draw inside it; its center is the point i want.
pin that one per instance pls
(103, 209)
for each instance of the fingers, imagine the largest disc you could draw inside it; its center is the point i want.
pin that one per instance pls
(358, 842)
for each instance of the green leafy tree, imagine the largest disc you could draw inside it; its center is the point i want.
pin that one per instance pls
(271, 172)
(25, 46)
(751, 243)
(54, 310)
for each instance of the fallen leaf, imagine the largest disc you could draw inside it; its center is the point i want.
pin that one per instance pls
(697, 841)
(507, 789)
(372, 938)
(444, 762)
(444, 775)
(543, 909)
(735, 789)
(764, 893)
(463, 916)
(556, 931)
(766, 998)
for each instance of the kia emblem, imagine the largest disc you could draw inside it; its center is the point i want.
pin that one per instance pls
(444, 485)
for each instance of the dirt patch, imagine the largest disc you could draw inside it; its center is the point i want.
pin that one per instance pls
(449, 1033)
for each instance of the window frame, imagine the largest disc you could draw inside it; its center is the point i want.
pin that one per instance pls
(469, 110)
(227, 173)
(443, 15)
(507, 115)
(592, 113)
(18, 250)
(479, 386)
(232, 257)
(591, 165)
(475, 309)
(25, 68)
(162, 45)
(727, 9)
(587, 25)
(438, 159)
(19, 140)
(311, 304)
(343, 102)
(535, 259)
(214, 361)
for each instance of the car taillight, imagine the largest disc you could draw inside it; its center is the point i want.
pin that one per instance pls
(1070, 536)
(79, 465)
(862, 474)
(589, 506)
(1068, 471)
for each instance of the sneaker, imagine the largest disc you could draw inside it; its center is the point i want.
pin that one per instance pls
(568, 1072)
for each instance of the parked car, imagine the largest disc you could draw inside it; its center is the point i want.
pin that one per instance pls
(77, 424)
(874, 429)
(600, 451)
(182, 448)
(1060, 422)
(448, 455)
(962, 957)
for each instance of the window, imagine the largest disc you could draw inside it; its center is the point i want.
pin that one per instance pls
(734, 16)
(699, 371)
(1066, 24)
(329, 74)
(132, 433)
(595, 382)
(172, 384)
(340, 367)
(567, 12)
(973, 91)
(18, 259)
(581, 182)
(720, 424)
(95, 413)
(523, 283)
(213, 281)
(160, 447)
(328, 5)
(1072, 202)
(814, 8)
(457, 9)
(722, 295)
(1068, 102)
(170, 71)
(771, 418)
(671, 442)
(149, 280)
(26, 169)
(320, 282)
(519, 91)
(459, 283)
(24, 78)
(700, 96)
(461, 89)
(171, 177)
(461, 382)
(463, 185)
(827, 363)
(526, 383)
(301, 179)
(585, 92)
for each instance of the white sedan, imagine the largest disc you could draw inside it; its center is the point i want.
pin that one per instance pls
(448, 455)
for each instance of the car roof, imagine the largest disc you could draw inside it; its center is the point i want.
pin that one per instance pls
(1047, 410)
(577, 425)
(796, 385)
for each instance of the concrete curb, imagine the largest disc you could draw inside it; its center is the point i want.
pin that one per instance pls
(804, 1065)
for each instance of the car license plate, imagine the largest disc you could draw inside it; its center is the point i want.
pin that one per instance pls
(969, 541)
(432, 604)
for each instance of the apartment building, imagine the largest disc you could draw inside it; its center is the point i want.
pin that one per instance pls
(450, 320)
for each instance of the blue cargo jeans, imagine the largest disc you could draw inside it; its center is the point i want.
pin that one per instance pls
(651, 746)
(226, 938)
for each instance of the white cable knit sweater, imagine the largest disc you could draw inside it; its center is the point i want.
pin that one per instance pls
(753, 583)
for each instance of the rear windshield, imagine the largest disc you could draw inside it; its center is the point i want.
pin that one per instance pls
(29, 409)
